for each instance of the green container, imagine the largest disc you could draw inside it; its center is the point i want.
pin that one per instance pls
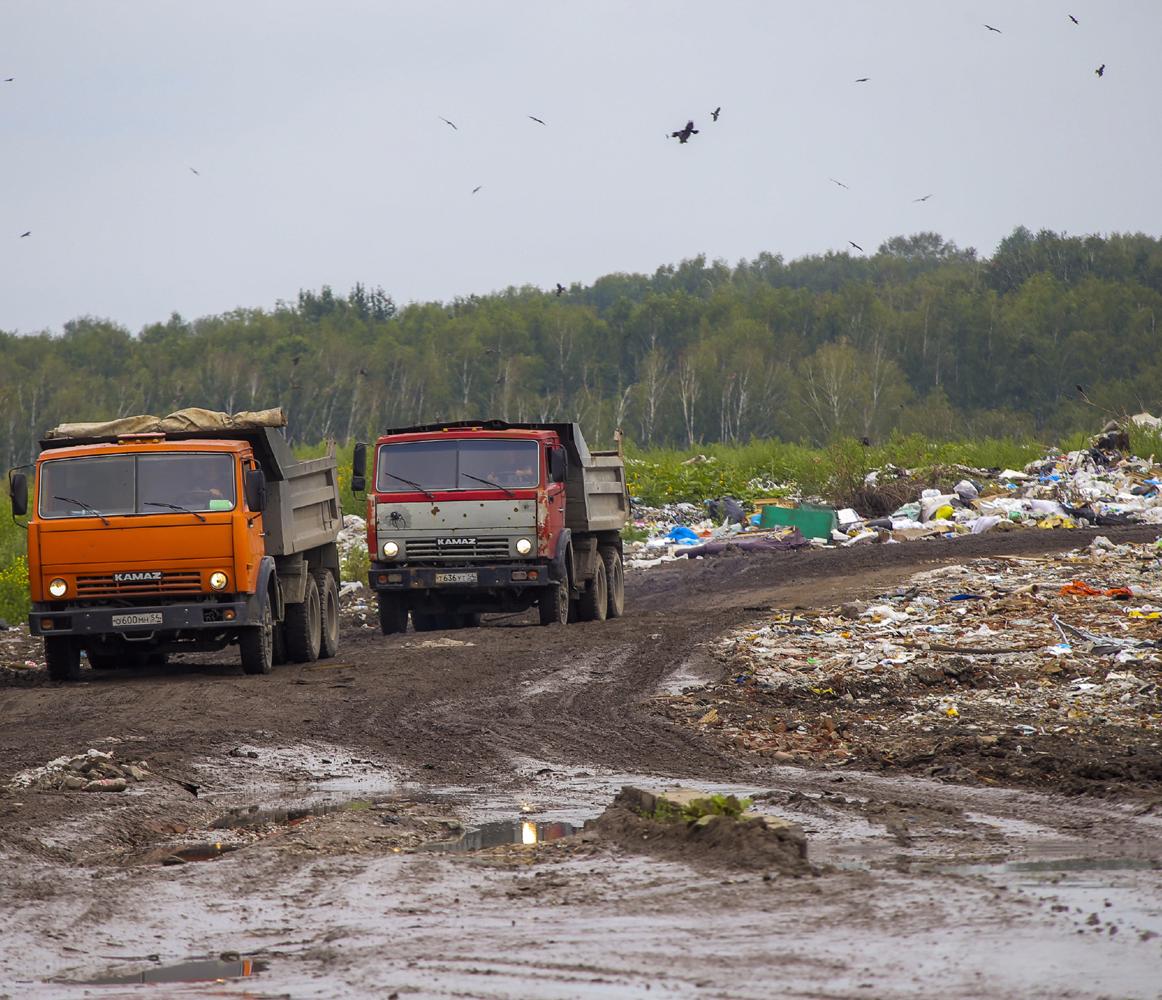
(813, 522)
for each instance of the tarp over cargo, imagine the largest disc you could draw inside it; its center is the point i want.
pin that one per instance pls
(192, 418)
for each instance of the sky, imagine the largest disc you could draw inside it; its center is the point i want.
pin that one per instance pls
(321, 157)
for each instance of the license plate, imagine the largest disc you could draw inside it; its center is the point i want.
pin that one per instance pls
(149, 618)
(455, 578)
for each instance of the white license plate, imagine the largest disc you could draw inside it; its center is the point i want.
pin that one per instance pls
(151, 618)
(455, 578)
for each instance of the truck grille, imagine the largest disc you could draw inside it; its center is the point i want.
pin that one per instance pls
(170, 583)
(482, 548)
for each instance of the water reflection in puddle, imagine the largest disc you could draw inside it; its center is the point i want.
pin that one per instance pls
(1060, 865)
(199, 971)
(501, 833)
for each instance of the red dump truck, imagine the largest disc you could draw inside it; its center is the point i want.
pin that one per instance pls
(192, 532)
(470, 517)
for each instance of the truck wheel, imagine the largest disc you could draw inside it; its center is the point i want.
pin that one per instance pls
(62, 656)
(393, 613)
(614, 580)
(329, 598)
(256, 642)
(303, 625)
(593, 604)
(553, 604)
(100, 660)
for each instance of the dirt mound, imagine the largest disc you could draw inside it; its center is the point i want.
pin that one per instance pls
(747, 841)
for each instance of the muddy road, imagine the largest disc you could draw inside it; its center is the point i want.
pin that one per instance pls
(316, 796)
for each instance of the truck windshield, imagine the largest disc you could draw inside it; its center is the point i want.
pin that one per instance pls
(136, 484)
(466, 464)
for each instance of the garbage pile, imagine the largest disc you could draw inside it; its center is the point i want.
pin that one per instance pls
(1004, 647)
(92, 771)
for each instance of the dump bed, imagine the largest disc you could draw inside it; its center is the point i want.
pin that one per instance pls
(303, 509)
(595, 489)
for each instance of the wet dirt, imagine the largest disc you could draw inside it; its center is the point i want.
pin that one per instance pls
(327, 780)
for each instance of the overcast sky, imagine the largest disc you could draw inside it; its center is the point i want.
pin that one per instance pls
(315, 130)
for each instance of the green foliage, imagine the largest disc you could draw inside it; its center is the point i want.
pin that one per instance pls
(14, 602)
(712, 805)
(357, 565)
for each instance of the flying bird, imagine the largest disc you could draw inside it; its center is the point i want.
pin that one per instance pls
(1074, 19)
(477, 188)
(536, 119)
(925, 198)
(560, 289)
(29, 233)
(857, 246)
(9, 79)
(715, 112)
(193, 171)
(684, 133)
(840, 183)
(991, 28)
(446, 122)
(1100, 71)
(862, 79)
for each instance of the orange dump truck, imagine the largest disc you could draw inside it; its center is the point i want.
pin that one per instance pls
(185, 534)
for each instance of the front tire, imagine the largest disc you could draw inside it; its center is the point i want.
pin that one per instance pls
(62, 657)
(393, 613)
(256, 643)
(303, 625)
(553, 604)
(329, 598)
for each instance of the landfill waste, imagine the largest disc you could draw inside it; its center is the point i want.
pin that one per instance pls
(1059, 650)
(1099, 486)
(92, 771)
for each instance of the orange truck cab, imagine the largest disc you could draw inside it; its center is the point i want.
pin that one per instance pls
(148, 543)
(475, 516)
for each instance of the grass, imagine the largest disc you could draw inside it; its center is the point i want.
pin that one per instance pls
(14, 601)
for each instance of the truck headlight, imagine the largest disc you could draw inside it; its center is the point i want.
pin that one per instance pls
(391, 549)
(58, 588)
(218, 581)
(524, 546)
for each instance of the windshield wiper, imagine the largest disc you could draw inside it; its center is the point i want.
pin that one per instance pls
(431, 496)
(173, 506)
(85, 506)
(488, 482)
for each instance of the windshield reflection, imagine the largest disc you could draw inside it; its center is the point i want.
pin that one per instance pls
(472, 464)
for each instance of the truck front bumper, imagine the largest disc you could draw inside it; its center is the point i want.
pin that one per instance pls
(140, 620)
(460, 577)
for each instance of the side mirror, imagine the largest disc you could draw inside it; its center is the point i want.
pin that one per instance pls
(18, 492)
(359, 468)
(558, 464)
(254, 486)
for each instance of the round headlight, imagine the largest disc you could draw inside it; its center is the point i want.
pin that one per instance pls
(524, 546)
(218, 581)
(58, 588)
(391, 549)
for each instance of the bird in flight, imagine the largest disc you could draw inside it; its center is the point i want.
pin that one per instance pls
(29, 233)
(684, 133)
(194, 172)
(862, 79)
(9, 79)
(925, 198)
(536, 119)
(446, 122)
(715, 112)
(1100, 71)
(477, 188)
(1074, 19)
(857, 246)
(840, 183)
(991, 28)
(560, 289)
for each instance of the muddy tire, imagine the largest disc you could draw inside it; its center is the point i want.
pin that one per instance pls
(303, 625)
(422, 621)
(593, 604)
(393, 613)
(62, 656)
(101, 660)
(614, 581)
(256, 643)
(553, 604)
(329, 620)
(278, 644)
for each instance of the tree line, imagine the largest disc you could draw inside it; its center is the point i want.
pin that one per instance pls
(920, 336)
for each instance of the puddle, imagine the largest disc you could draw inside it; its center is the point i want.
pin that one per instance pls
(497, 834)
(1059, 865)
(198, 971)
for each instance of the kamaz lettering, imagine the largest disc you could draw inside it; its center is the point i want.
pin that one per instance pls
(143, 576)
